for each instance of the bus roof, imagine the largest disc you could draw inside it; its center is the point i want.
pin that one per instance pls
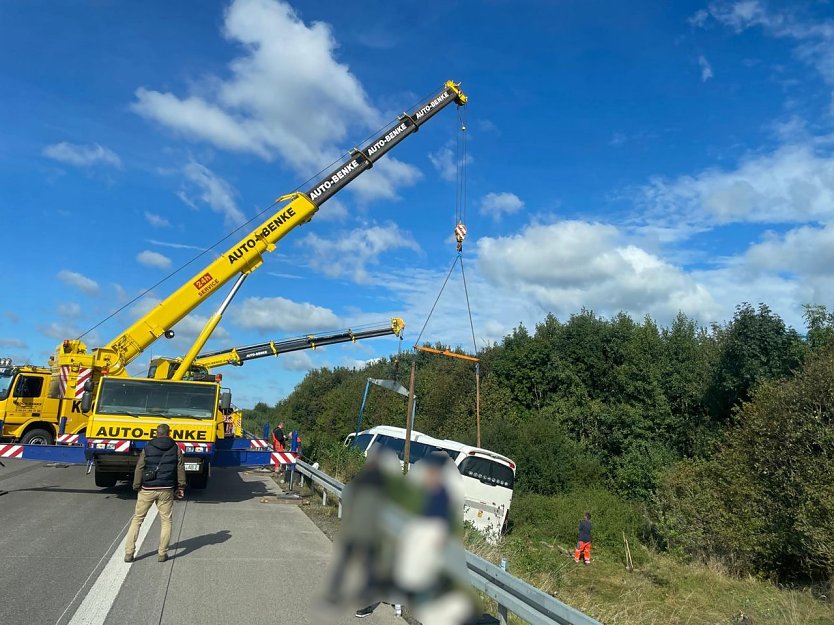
(442, 443)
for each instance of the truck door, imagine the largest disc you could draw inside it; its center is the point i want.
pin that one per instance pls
(26, 399)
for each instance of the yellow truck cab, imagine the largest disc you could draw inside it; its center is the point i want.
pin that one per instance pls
(27, 413)
(126, 412)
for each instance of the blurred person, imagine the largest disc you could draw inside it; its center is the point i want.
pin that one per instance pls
(430, 567)
(583, 545)
(360, 537)
(159, 471)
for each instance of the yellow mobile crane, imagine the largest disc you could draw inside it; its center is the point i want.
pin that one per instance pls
(200, 369)
(120, 413)
(165, 368)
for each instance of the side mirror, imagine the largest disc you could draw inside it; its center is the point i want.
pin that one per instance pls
(86, 401)
(225, 401)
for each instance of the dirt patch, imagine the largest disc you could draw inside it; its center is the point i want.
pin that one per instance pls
(326, 517)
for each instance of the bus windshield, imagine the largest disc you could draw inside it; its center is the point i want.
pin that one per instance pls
(152, 397)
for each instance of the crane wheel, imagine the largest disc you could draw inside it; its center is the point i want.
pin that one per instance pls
(37, 436)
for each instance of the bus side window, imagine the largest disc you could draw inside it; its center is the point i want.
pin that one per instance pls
(394, 444)
(361, 442)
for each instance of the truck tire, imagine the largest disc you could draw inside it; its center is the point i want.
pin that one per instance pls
(199, 480)
(106, 480)
(38, 436)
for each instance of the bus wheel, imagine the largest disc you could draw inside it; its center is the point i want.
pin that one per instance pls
(37, 437)
(106, 480)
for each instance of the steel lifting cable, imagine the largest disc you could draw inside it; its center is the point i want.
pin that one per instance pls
(460, 231)
(437, 299)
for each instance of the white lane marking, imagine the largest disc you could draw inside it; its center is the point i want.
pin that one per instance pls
(96, 605)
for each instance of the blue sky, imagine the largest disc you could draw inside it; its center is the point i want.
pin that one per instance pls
(643, 156)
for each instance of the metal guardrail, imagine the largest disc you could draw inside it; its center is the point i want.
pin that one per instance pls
(512, 594)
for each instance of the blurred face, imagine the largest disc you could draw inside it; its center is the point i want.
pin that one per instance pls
(432, 476)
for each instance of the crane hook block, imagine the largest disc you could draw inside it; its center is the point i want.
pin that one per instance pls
(460, 235)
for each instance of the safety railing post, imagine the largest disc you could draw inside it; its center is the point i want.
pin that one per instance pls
(503, 617)
(323, 497)
(339, 514)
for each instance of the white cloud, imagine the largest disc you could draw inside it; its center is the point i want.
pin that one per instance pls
(185, 330)
(795, 183)
(573, 264)
(176, 246)
(296, 361)
(281, 314)
(190, 327)
(445, 161)
(706, 68)
(287, 71)
(79, 281)
(350, 253)
(82, 155)
(60, 331)
(814, 37)
(153, 259)
(157, 221)
(207, 188)
(700, 18)
(69, 309)
(499, 204)
(121, 294)
(12, 343)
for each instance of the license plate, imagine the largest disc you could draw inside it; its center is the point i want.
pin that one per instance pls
(192, 466)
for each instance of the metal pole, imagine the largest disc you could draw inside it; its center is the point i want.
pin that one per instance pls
(478, 403)
(205, 333)
(409, 418)
(503, 617)
(362, 407)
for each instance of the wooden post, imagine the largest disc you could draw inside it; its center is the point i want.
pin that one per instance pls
(478, 403)
(407, 448)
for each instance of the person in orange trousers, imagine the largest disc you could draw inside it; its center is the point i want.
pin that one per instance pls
(583, 545)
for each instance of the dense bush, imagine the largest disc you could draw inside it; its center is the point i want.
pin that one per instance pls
(765, 501)
(693, 425)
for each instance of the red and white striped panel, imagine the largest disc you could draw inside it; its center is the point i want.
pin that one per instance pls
(193, 447)
(63, 380)
(68, 439)
(84, 374)
(11, 451)
(259, 443)
(281, 457)
(120, 446)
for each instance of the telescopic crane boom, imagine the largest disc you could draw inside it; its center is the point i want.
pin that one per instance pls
(164, 368)
(71, 357)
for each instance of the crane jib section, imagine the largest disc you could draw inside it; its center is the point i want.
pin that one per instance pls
(246, 255)
(363, 159)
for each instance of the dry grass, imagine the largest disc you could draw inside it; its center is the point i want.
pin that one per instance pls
(661, 591)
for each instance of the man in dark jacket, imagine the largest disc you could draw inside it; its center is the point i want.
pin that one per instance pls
(583, 545)
(160, 470)
(279, 439)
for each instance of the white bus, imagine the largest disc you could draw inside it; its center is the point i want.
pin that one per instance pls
(488, 477)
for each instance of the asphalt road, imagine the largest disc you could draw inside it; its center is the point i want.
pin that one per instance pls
(237, 556)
